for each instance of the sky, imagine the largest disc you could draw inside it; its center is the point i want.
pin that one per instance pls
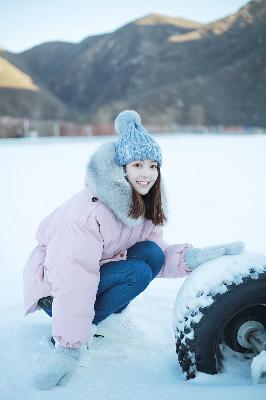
(24, 24)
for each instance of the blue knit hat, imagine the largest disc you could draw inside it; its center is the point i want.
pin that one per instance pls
(135, 142)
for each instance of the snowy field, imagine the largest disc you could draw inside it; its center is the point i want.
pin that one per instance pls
(216, 189)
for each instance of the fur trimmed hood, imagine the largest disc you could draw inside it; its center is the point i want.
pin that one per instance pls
(108, 180)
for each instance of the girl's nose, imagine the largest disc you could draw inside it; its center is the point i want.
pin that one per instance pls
(147, 171)
(146, 174)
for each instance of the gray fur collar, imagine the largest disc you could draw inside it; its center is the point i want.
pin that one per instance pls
(108, 180)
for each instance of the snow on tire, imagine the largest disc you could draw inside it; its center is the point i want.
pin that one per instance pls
(216, 297)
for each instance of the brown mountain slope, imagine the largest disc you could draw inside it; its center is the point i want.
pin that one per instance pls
(20, 96)
(12, 77)
(160, 19)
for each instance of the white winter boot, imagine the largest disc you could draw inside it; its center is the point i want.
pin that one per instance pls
(121, 328)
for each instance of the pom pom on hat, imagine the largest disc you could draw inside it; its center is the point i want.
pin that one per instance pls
(134, 142)
(125, 118)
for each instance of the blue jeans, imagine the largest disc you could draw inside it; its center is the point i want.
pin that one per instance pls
(121, 281)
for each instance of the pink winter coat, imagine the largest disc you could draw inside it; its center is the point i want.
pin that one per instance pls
(76, 240)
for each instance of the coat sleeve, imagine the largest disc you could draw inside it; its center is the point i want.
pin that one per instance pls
(72, 263)
(174, 265)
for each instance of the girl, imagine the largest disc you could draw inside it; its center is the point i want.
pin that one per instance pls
(102, 247)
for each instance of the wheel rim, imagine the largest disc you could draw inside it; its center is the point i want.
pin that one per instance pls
(237, 330)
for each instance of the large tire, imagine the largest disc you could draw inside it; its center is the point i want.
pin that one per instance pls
(198, 339)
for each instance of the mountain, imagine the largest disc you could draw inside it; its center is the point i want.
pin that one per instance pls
(21, 95)
(168, 68)
(159, 19)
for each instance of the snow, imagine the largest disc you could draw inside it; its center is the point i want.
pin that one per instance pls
(258, 366)
(216, 191)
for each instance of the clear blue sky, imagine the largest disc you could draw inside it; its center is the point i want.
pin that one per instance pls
(25, 23)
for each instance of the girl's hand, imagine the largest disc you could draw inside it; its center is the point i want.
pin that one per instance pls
(59, 370)
(194, 256)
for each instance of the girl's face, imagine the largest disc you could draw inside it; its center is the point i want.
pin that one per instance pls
(142, 175)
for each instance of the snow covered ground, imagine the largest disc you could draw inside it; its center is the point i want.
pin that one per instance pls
(216, 191)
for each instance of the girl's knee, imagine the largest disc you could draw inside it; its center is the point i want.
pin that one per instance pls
(156, 252)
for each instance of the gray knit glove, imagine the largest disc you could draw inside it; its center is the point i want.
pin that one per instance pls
(194, 256)
(59, 369)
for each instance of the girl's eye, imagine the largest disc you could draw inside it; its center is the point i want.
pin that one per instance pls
(138, 164)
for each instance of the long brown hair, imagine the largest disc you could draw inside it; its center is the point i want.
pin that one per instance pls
(149, 205)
